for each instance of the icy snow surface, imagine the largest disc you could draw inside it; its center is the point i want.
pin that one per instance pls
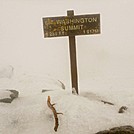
(83, 114)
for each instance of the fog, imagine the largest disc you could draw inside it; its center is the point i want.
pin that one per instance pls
(108, 55)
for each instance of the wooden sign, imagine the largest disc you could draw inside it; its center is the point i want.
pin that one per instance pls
(71, 25)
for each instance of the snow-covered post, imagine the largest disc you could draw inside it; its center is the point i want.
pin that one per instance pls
(73, 61)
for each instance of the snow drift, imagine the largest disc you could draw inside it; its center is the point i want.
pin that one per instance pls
(83, 114)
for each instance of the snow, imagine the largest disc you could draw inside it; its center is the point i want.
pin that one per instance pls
(105, 68)
(82, 114)
(4, 94)
(6, 71)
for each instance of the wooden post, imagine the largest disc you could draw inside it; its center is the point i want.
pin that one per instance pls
(73, 62)
(71, 26)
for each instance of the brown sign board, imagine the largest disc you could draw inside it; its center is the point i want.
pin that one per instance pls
(71, 25)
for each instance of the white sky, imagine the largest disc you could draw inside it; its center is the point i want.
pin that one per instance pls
(108, 55)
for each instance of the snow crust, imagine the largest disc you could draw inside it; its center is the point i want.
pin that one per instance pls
(82, 114)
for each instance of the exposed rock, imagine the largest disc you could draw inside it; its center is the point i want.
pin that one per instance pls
(62, 84)
(106, 102)
(119, 130)
(12, 95)
(45, 90)
(6, 100)
(122, 109)
(93, 96)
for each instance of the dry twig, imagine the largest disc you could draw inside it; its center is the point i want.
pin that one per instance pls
(51, 106)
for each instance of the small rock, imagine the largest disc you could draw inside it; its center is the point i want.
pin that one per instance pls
(45, 90)
(6, 100)
(106, 102)
(122, 109)
(12, 95)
